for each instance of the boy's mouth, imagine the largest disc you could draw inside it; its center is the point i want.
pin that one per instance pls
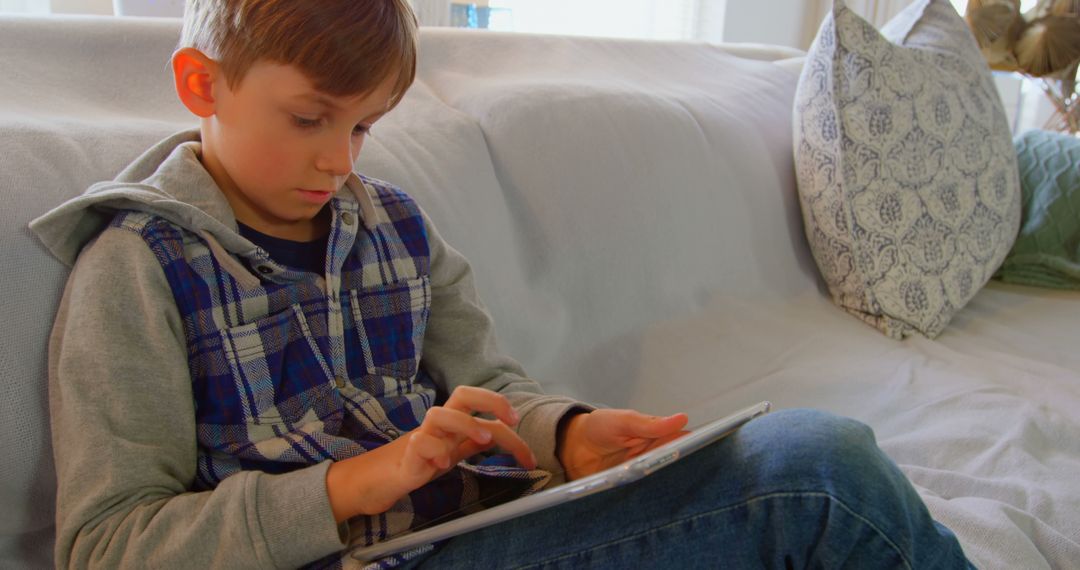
(317, 196)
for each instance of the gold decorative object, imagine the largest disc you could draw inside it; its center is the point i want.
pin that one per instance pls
(1042, 43)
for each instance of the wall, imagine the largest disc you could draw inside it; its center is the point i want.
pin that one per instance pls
(96, 7)
(93, 7)
(792, 23)
(780, 22)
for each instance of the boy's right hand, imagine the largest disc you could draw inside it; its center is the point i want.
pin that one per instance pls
(371, 483)
(450, 433)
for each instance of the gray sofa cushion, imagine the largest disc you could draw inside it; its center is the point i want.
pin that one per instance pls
(64, 124)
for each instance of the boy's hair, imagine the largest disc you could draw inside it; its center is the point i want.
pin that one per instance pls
(344, 47)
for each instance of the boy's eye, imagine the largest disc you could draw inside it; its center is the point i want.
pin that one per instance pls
(358, 130)
(305, 123)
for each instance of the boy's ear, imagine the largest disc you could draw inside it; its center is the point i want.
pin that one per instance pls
(193, 76)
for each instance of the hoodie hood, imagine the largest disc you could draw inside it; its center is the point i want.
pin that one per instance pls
(167, 180)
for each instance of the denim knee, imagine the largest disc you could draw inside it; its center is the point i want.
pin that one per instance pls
(811, 450)
(807, 429)
(794, 453)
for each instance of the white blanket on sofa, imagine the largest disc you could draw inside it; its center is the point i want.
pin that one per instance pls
(630, 210)
(985, 420)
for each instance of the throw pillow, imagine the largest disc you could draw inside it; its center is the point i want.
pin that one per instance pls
(907, 177)
(1047, 251)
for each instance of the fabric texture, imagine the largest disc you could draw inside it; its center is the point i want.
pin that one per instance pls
(303, 256)
(791, 489)
(258, 375)
(906, 173)
(982, 419)
(1047, 251)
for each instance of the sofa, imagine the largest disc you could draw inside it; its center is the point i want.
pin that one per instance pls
(631, 213)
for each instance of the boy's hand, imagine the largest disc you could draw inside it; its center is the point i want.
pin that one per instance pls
(450, 433)
(372, 482)
(595, 441)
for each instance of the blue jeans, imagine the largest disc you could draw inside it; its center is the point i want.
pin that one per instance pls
(791, 489)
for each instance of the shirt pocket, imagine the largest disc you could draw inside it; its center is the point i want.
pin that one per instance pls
(278, 371)
(388, 325)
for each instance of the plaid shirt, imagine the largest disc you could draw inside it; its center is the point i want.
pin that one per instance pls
(290, 369)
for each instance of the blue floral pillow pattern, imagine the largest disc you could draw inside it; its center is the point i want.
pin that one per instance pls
(906, 171)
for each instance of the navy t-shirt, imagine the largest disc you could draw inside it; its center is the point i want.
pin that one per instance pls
(300, 255)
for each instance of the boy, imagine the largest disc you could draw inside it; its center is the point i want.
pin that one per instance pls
(286, 358)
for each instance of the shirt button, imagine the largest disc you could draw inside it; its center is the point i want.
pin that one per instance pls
(339, 381)
(347, 218)
(265, 269)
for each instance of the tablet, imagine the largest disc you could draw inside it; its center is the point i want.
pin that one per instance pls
(626, 472)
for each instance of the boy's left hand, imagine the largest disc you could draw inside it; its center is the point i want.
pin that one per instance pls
(595, 441)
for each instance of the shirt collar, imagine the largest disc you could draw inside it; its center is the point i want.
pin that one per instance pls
(363, 194)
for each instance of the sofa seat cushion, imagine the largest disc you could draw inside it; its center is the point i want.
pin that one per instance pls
(907, 177)
(982, 419)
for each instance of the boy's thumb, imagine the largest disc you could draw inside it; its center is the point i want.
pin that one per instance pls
(656, 426)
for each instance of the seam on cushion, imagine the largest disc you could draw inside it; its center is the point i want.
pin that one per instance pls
(841, 181)
(867, 299)
(834, 498)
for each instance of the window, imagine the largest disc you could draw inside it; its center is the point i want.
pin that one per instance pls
(1025, 5)
(648, 19)
(652, 19)
(25, 6)
(44, 7)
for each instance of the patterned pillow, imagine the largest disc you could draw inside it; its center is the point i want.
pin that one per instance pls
(907, 176)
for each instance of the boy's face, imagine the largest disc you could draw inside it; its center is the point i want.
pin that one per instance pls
(279, 149)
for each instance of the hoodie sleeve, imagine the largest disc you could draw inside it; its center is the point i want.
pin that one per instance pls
(459, 350)
(124, 438)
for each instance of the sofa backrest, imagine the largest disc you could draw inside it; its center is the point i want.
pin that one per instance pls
(632, 182)
(597, 186)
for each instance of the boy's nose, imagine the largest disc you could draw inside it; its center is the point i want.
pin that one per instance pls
(337, 158)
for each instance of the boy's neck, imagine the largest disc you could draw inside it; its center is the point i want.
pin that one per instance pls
(309, 230)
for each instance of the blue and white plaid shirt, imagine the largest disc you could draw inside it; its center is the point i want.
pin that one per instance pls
(290, 368)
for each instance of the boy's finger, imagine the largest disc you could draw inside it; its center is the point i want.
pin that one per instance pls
(505, 438)
(455, 423)
(472, 400)
(428, 447)
(662, 440)
(654, 426)
(469, 448)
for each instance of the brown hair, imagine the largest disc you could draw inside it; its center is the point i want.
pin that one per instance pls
(344, 47)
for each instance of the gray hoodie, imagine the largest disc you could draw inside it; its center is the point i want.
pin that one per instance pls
(120, 391)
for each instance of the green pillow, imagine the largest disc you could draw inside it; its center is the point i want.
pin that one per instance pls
(1047, 251)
